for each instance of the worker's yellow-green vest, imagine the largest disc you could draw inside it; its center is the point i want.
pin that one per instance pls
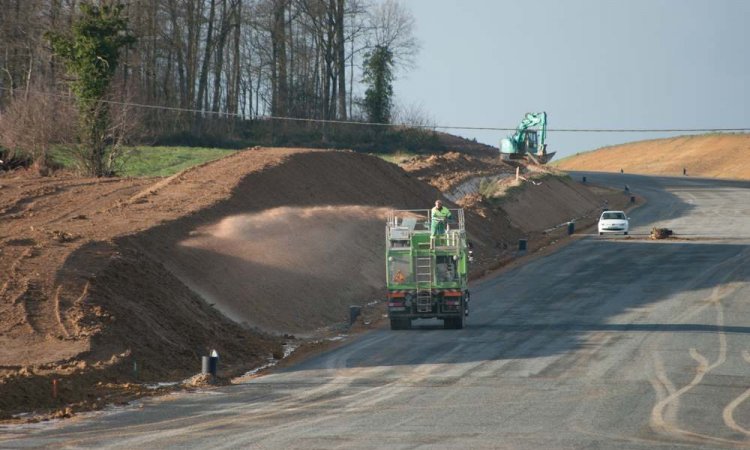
(439, 217)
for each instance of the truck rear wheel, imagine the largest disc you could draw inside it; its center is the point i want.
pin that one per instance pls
(400, 324)
(453, 323)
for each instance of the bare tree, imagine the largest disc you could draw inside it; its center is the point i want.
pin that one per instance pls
(201, 101)
(251, 57)
(32, 123)
(413, 115)
(340, 45)
(279, 63)
(392, 27)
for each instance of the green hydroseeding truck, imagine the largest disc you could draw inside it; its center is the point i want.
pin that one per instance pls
(427, 276)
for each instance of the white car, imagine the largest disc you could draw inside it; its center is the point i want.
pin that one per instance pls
(614, 222)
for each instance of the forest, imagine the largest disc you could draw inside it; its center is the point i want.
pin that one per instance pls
(206, 72)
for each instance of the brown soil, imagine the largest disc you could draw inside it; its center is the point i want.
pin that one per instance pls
(449, 170)
(106, 284)
(714, 156)
(458, 144)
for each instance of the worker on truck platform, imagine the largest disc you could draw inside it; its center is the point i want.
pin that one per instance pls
(438, 218)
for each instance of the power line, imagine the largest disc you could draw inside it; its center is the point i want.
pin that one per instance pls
(431, 127)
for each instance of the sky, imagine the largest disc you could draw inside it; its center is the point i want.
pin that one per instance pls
(606, 64)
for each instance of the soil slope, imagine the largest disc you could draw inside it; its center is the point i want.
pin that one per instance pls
(453, 143)
(450, 170)
(714, 156)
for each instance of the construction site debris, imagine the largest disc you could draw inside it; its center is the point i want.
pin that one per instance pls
(448, 171)
(661, 233)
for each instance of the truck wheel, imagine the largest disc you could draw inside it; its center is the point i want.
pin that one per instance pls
(400, 324)
(453, 323)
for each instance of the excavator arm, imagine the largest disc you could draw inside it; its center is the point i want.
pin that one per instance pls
(527, 141)
(531, 120)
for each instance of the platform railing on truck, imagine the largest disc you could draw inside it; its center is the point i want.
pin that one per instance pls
(419, 219)
(403, 224)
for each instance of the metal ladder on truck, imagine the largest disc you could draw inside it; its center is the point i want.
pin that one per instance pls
(424, 277)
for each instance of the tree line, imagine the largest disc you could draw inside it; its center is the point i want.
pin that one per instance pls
(204, 63)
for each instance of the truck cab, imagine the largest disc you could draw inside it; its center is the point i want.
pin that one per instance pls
(426, 275)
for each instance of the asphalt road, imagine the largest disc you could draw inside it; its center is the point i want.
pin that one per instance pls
(608, 343)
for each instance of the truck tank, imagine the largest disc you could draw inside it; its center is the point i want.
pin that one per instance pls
(426, 275)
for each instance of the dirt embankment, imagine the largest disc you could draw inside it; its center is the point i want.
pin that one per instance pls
(450, 170)
(713, 155)
(505, 209)
(106, 281)
(453, 143)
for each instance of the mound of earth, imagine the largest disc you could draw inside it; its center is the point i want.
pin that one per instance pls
(449, 170)
(453, 143)
(713, 155)
(121, 280)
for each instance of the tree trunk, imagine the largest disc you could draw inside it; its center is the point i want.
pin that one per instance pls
(233, 89)
(185, 100)
(328, 75)
(219, 62)
(201, 101)
(340, 59)
(194, 26)
(279, 73)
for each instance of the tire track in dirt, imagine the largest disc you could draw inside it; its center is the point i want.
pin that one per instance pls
(24, 204)
(12, 292)
(41, 311)
(71, 213)
(58, 314)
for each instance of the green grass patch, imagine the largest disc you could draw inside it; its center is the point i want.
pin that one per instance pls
(165, 161)
(144, 161)
(62, 157)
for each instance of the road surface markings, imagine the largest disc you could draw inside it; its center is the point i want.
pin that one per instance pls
(671, 401)
(728, 413)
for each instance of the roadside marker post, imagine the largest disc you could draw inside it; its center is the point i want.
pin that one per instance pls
(354, 312)
(522, 244)
(209, 365)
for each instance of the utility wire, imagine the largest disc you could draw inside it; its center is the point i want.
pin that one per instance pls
(431, 127)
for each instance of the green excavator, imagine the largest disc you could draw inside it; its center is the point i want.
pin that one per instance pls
(528, 142)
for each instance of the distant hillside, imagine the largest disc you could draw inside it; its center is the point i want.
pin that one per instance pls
(713, 155)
